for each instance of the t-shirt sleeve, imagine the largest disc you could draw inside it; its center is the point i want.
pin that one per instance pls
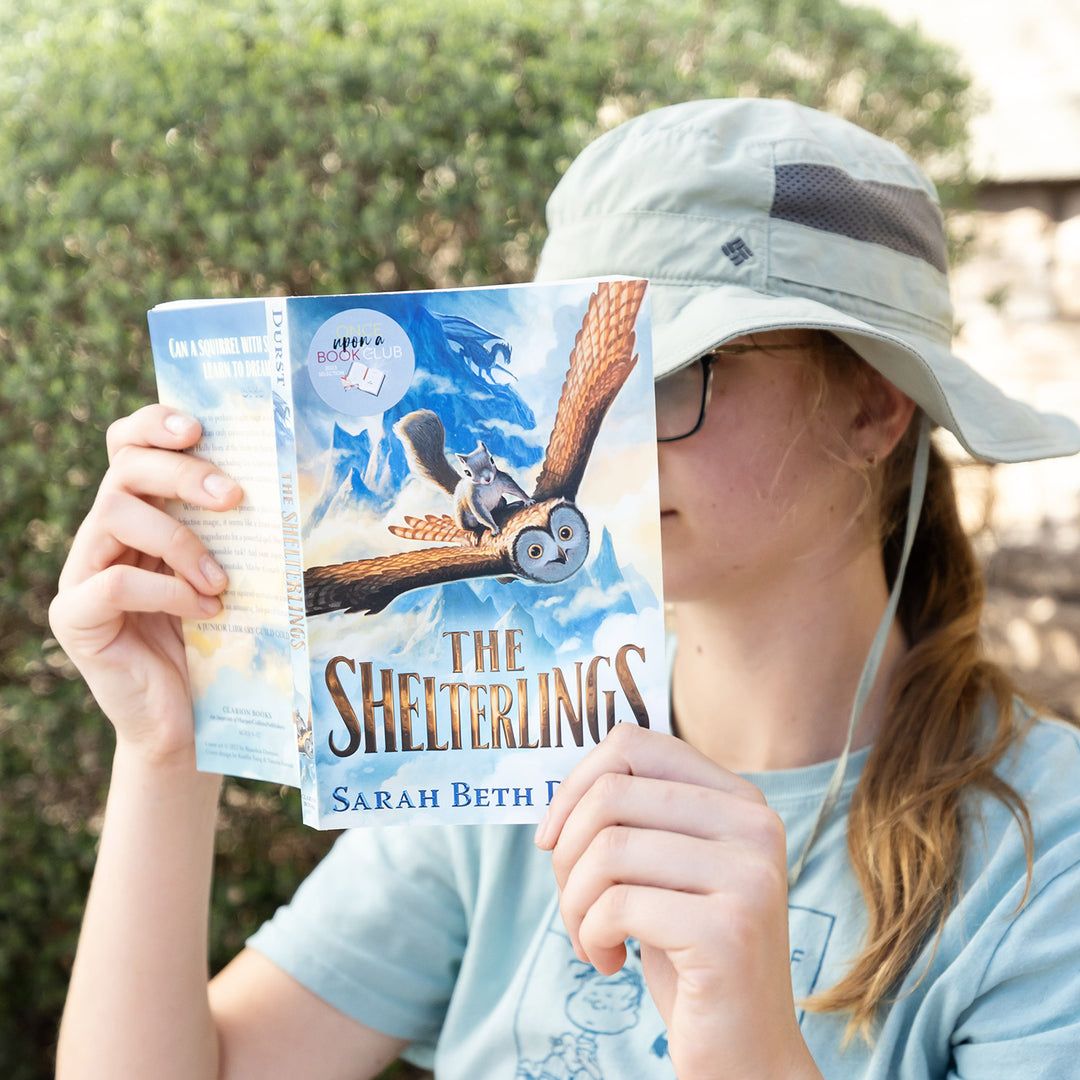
(1025, 1019)
(378, 928)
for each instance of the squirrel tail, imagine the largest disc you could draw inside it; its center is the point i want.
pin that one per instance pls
(424, 438)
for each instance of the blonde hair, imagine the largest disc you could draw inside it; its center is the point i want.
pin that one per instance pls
(939, 740)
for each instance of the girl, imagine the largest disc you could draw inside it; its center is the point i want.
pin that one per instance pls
(859, 857)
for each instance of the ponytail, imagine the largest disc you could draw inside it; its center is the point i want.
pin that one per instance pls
(950, 718)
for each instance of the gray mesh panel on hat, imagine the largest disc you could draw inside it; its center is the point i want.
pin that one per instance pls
(827, 198)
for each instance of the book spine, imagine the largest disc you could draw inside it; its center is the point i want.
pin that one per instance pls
(277, 330)
(211, 361)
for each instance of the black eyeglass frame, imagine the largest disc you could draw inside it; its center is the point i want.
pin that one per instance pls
(707, 360)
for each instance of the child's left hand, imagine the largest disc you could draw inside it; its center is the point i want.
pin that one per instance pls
(652, 840)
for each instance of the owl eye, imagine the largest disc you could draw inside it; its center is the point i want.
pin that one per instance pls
(566, 533)
(535, 551)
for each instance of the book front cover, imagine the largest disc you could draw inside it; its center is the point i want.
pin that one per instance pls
(478, 525)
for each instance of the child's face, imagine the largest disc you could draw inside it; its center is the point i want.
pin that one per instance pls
(761, 493)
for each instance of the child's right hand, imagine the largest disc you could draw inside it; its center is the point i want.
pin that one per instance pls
(133, 572)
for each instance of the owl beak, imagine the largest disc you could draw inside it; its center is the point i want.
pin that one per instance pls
(561, 557)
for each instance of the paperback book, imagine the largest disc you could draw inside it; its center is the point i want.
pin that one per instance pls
(445, 582)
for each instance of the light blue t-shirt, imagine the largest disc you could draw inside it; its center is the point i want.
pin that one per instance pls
(451, 937)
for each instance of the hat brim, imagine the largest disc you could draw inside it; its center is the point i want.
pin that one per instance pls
(688, 321)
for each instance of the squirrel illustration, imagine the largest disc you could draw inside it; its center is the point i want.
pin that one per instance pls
(476, 493)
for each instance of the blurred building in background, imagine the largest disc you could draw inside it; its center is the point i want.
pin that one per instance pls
(1017, 291)
(1017, 299)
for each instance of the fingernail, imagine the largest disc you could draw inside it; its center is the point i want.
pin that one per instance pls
(213, 573)
(179, 424)
(210, 604)
(219, 486)
(540, 838)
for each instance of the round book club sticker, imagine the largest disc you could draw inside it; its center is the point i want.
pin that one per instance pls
(361, 362)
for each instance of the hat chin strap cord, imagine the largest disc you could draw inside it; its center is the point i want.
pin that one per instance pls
(877, 649)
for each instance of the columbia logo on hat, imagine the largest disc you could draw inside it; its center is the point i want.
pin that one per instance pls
(737, 251)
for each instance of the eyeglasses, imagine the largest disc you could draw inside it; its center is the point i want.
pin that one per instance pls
(683, 396)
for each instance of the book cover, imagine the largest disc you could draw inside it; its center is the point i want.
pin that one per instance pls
(445, 574)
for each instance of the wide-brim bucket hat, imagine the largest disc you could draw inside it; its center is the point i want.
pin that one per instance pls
(749, 215)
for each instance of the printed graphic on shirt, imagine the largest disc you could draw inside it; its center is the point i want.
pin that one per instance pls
(808, 932)
(606, 1027)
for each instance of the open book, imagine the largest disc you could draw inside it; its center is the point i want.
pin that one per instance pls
(445, 579)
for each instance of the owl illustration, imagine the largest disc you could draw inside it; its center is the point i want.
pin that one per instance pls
(542, 537)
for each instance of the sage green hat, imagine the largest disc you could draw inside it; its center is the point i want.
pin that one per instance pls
(750, 215)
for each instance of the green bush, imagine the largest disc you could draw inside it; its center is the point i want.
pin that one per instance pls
(159, 150)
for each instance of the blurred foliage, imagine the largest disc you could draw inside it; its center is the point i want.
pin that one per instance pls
(159, 150)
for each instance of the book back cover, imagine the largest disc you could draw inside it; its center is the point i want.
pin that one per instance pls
(212, 360)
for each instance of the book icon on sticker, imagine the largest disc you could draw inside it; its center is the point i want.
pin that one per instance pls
(361, 377)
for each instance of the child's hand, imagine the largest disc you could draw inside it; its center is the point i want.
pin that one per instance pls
(652, 840)
(133, 571)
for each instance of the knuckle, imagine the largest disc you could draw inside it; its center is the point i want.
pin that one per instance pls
(764, 882)
(121, 455)
(181, 464)
(57, 613)
(123, 432)
(611, 844)
(615, 902)
(609, 787)
(770, 833)
(114, 436)
(569, 911)
(561, 863)
(109, 504)
(180, 539)
(111, 584)
(749, 792)
(737, 919)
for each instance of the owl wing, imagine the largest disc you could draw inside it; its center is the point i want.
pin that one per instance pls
(441, 528)
(600, 362)
(368, 585)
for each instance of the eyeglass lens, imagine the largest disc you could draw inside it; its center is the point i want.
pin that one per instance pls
(679, 397)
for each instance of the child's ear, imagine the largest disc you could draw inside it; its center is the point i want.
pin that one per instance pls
(883, 415)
